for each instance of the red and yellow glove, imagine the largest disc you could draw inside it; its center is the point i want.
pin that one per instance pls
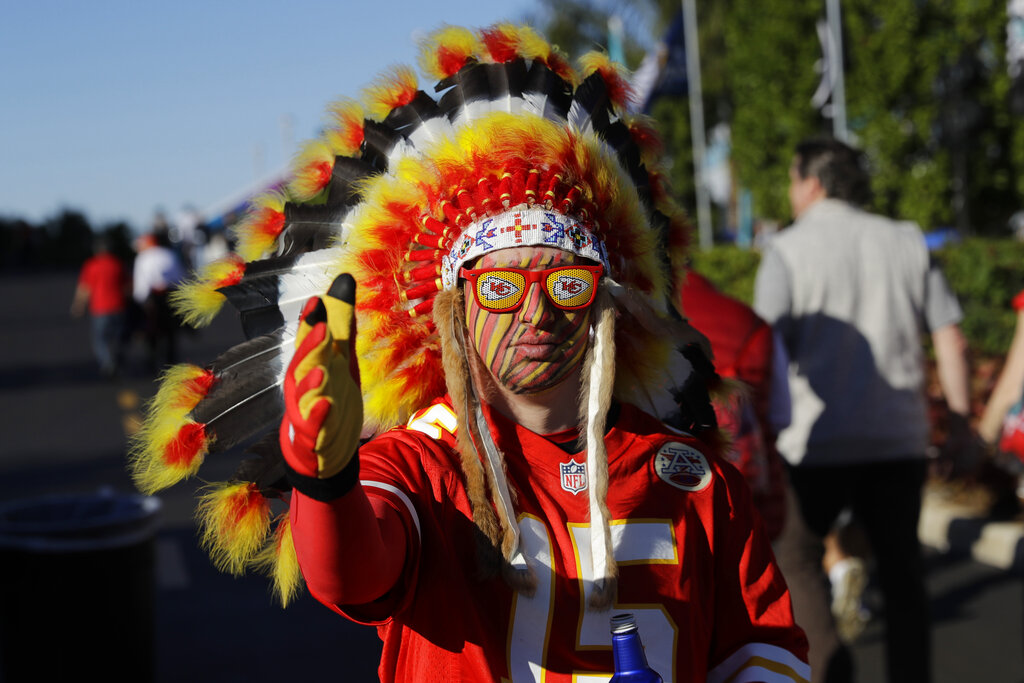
(323, 406)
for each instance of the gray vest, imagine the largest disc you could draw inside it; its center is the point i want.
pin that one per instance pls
(861, 293)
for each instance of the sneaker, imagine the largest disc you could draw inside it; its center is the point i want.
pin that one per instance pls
(849, 578)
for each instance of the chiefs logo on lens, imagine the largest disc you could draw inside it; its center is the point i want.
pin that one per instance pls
(568, 287)
(495, 288)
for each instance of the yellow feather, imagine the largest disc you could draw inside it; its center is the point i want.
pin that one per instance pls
(311, 170)
(146, 457)
(455, 40)
(166, 413)
(532, 45)
(395, 87)
(278, 561)
(596, 61)
(254, 243)
(346, 134)
(198, 301)
(234, 518)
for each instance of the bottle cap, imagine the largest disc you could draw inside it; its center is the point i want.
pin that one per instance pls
(623, 623)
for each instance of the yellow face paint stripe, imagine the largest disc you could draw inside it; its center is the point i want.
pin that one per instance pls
(566, 366)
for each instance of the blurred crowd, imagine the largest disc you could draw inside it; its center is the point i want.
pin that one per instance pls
(128, 300)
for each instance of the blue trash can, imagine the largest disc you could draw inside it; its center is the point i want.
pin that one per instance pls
(77, 588)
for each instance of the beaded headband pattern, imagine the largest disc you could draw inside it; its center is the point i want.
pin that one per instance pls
(520, 228)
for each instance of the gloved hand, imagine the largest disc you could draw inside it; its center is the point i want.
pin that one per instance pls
(323, 406)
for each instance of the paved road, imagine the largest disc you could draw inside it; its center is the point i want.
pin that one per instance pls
(63, 433)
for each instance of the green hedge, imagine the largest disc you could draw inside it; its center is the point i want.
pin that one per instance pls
(731, 268)
(984, 273)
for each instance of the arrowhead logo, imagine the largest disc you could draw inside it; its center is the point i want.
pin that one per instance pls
(682, 466)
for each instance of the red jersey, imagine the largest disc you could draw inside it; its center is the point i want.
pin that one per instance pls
(104, 276)
(695, 566)
(743, 345)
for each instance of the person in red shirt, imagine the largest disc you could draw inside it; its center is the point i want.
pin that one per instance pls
(744, 349)
(472, 448)
(694, 565)
(102, 289)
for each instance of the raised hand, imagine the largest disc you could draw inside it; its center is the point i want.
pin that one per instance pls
(323, 406)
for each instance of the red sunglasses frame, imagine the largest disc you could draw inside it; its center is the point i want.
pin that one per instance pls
(531, 277)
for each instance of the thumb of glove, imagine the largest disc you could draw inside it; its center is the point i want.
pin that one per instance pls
(340, 302)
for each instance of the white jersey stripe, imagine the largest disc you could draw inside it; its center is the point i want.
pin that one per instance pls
(778, 664)
(398, 493)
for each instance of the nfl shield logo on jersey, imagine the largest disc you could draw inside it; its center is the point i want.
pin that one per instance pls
(682, 466)
(574, 476)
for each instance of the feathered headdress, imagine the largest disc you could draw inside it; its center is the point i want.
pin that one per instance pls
(399, 190)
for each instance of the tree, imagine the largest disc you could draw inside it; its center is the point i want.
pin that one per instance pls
(578, 26)
(70, 238)
(771, 47)
(927, 99)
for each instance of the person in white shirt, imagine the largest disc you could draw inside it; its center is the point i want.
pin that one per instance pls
(851, 293)
(155, 274)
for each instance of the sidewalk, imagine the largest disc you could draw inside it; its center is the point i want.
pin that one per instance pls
(953, 523)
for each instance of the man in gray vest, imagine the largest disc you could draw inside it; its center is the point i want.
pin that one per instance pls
(851, 294)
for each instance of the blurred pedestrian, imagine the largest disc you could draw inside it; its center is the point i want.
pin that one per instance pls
(851, 293)
(745, 349)
(1002, 422)
(157, 271)
(103, 290)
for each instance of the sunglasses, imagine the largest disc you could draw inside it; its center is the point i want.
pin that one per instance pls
(503, 290)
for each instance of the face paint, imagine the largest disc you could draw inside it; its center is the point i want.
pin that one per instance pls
(536, 346)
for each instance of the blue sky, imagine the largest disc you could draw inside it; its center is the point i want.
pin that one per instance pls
(117, 108)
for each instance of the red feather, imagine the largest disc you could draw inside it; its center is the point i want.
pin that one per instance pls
(186, 445)
(502, 46)
(450, 61)
(202, 383)
(270, 222)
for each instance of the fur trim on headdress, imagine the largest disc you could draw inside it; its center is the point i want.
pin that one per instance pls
(482, 462)
(313, 168)
(396, 89)
(595, 402)
(450, 319)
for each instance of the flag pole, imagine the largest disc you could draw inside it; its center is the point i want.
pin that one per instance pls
(833, 14)
(697, 134)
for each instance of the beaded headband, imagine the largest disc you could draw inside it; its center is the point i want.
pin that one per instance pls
(520, 228)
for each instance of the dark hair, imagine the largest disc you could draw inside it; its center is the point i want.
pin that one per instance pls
(839, 168)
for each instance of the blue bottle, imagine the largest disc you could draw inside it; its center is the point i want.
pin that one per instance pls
(630, 660)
